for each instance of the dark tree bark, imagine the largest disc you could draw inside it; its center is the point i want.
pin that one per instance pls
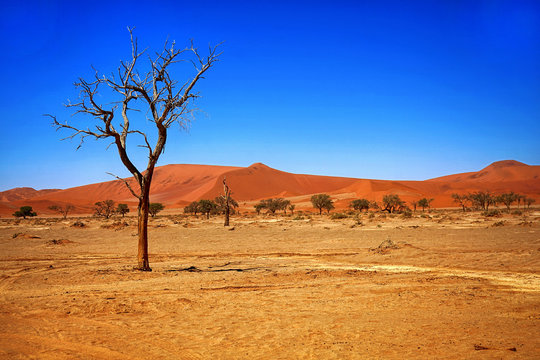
(165, 100)
(227, 197)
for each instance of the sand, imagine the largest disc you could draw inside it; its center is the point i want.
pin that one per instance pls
(449, 286)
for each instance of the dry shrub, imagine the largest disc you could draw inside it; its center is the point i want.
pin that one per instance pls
(492, 213)
(117, 225)
(78, 224)
(59, 242)
(385, 247)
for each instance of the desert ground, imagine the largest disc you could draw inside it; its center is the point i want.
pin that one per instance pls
(441, 284)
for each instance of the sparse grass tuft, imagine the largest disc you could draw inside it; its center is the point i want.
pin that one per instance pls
(337, 216)
(492, 213)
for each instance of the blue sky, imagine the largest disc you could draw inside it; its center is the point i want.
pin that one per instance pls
(368, 89)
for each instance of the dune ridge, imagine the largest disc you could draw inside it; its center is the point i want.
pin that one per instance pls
(179, 184)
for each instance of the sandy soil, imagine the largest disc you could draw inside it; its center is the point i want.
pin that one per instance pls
(453, 286)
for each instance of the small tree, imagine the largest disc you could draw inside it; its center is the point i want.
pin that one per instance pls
(285, 205)
(424, 203)
(481, 199)
(104, 208)
(155, 208)
(392, 202)
(374, 205)
(192, 208)
(258, 207)
(461, 200)
(520, 198)
(529, 201)
(360, 204)
(206, 207)
(291, 207)
(414, 204)
(271, 205)
(122, 209)
(507, 199)
(64, 210)
(25, 211)
(322, 201)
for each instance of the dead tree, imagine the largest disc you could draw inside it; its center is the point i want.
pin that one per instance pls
(227, 200)
(64, 210)
(153, 92)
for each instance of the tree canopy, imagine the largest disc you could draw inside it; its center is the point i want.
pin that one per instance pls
(322, 202)
(25, 211)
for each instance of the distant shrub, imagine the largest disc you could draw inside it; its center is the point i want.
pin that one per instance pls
(492, 213)
(299, 217)
(336, 216)
(425, 216)
(371, 215)
(407, 214)
(517, 212)
(79, 224)
(499, 223)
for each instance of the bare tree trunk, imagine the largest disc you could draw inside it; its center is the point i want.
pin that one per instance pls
(144, 203)
(227, 212)
(227, 195)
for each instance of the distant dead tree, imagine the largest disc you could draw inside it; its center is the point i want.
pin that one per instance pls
(64, 210)
(226, 201)
(153, 92)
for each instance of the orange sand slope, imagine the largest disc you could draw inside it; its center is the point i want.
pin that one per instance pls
(177, 185)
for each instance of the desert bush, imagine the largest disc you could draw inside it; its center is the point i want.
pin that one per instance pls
(425, 216)
(499, 223)
(115, 225)
(336, 216)
(371, 215)
(407, 214)
(299, 217)
(517, 212)
(491, 213)
(78, 224)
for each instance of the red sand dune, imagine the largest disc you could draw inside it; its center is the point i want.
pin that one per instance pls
(178, 185)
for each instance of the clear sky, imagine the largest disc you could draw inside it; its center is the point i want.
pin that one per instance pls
(368, 89)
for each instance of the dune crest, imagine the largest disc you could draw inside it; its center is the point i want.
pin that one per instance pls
(179, 184)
